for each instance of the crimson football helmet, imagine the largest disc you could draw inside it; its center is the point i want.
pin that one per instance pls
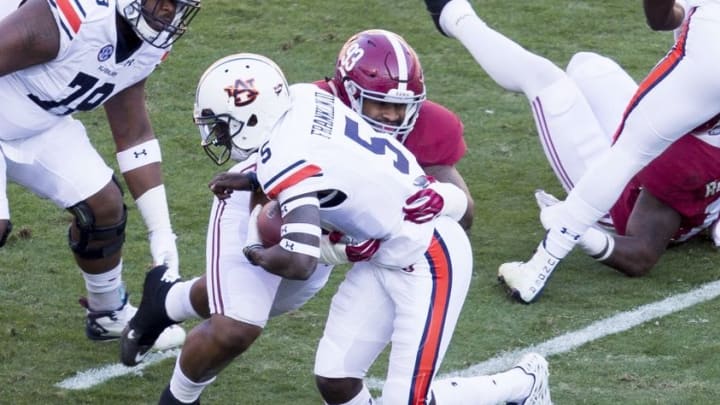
(148, 19)
(379, 65)
(238, 101)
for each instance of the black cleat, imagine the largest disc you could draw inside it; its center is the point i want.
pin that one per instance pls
(150, 320)
(434, 7)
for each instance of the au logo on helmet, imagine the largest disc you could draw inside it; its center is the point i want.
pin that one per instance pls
(243, 92)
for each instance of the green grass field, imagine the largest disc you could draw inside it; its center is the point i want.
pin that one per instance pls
(673, 359)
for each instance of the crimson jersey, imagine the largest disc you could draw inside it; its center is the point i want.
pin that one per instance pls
(686, 177)
(436, 138)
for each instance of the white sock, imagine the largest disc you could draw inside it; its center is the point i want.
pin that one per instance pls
(177, 303)
(184, 389)
(509, 386)
(362, 398)
(105, 291)
(510, 65)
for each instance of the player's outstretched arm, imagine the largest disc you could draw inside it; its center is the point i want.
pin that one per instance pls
(664, 15)
(139, 158)
(650, 228)
(648, 231)
(450, 174)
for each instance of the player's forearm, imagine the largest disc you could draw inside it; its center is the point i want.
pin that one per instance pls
(663, 15)
(283, 263)
(449, 174)
(632, 256)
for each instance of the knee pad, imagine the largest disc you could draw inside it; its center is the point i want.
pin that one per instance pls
(111, 237)
(4, 236)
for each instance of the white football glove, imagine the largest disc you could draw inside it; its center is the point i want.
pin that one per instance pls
(154, 210)
(164, 251)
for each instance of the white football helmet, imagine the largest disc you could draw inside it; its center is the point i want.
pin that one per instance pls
(152, 21)
(239, 99)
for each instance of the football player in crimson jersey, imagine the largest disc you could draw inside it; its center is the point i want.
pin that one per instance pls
(58, 57)
(379, 76)
(577, 112)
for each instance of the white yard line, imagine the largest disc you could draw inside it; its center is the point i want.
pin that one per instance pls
(94, 376)
(560, 344)
(597, 330)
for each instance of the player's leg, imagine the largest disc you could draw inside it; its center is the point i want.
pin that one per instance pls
(525, 383)
(678, 95)
(425, 320)
(84, 186)
(239, 297)
(605, 85)
(358, 328)
(567, 128)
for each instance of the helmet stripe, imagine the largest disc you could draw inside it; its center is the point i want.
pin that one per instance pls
(401, 61)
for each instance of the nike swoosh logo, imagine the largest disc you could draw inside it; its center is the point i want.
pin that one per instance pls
(140, 356)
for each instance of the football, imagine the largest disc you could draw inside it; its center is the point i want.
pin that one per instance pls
(269, 223)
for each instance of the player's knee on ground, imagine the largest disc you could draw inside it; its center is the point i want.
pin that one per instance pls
(232, 336)
(338, 390)
(5, 228)
(98, 230)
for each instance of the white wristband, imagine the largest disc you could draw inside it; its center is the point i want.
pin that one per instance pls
(154, 209)
(298, 247)
(139, 155)
(454, 199)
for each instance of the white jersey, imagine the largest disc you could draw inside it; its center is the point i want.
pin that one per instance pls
(85, 73)
(362, 177)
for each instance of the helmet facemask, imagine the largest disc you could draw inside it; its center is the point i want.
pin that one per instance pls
(151, 26)
(217, 133)
(407, 98)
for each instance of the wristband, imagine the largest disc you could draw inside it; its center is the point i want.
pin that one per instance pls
(252, 179)
(139, 155)
(298, 247)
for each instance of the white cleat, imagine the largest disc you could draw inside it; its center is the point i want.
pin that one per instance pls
(535, 365)
(526, 280)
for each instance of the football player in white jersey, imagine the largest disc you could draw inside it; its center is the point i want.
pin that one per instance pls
(330, 170)
(645, 129)
(61, 56)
